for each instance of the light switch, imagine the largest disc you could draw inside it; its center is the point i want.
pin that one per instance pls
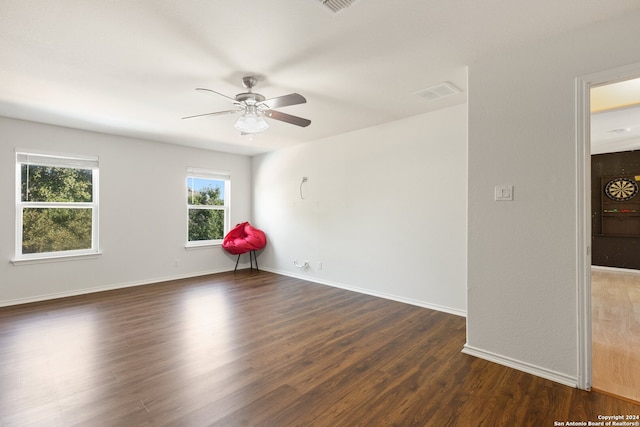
(504, 192)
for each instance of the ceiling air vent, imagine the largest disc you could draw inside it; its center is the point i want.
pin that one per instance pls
(438, 91)
(336, 5)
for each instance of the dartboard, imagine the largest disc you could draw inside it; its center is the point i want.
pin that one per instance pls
(621, 189)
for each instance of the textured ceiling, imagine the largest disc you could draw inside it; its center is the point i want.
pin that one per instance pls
(131, 67)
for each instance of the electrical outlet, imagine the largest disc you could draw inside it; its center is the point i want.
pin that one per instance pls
(303, 266)
(319, 265)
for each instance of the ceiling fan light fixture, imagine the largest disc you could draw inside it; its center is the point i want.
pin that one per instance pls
(250, 122)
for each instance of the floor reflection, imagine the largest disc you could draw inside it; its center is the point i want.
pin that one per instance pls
(49, 356)
(208, 332)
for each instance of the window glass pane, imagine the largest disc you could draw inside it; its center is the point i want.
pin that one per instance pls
(201, 191)
(55, 229)
(206, 224)
(56, 184)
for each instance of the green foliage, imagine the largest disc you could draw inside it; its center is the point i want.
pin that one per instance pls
(55, 229)
(206, 196)
(56, 184)
(206, 224)
(51, 229)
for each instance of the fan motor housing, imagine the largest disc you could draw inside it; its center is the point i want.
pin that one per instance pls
(252, 98)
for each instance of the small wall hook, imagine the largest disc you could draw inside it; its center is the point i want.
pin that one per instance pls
(304, 179)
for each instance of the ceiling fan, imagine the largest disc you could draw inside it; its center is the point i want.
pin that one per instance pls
(255, 107)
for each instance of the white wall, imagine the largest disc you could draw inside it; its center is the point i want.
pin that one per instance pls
(142, 212)
(522, 270)
(384, 209)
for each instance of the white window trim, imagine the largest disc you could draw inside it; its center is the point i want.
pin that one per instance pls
(70, 161)
(214, 175)
(68, 256)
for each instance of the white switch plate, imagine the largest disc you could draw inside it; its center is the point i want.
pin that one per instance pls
(504, 193)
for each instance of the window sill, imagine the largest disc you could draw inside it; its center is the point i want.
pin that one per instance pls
(59, 258)
(192, 245)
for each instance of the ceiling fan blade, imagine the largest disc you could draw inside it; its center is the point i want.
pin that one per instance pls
(201, 89)
(215, 113)
(288, 118)
(285, 100)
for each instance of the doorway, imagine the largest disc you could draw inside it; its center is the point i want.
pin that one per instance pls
(606, 297)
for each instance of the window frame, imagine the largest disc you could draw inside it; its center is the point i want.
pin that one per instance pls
(213, 175)
(61, 161)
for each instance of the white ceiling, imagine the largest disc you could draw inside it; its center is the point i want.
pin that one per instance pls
(615, 117)
(130, 67)
(615, 130)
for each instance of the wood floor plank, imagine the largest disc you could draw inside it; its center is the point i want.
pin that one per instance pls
(259, 349)
(616, 333)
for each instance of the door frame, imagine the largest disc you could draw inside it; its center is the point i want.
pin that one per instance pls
(583, 203)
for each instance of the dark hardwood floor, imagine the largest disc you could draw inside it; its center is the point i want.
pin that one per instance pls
(259, 349)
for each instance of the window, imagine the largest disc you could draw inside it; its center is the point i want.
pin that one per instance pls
(207, 207)
(57, 206)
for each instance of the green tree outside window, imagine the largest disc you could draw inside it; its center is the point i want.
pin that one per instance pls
(52, 229)
(205, 198)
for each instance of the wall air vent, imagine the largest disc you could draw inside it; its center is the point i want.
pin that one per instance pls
(438, 91)
(335, 6)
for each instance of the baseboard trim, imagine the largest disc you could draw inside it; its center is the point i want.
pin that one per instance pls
(85, 291)
(521, 366)
(383, 295)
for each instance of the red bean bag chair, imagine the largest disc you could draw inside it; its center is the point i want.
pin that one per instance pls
(244, 238)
